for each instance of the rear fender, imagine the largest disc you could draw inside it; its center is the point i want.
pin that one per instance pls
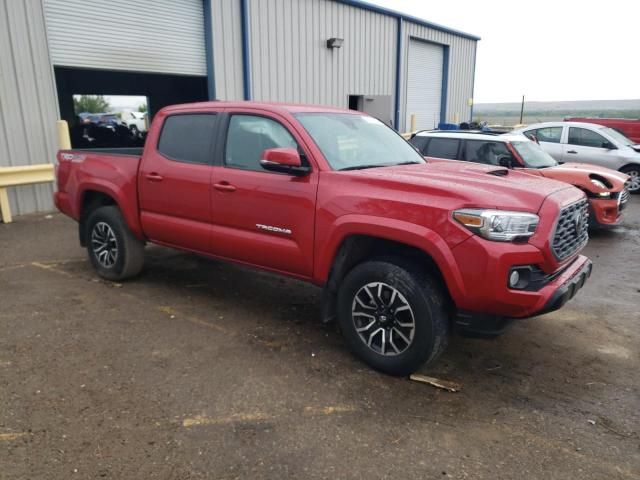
(126, 201)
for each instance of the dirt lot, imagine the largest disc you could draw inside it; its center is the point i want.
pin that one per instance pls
(203, 370)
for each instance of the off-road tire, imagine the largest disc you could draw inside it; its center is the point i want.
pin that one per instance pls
(130, 250)
(426, 300)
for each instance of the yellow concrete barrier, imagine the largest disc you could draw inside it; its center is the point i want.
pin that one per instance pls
(23, 175)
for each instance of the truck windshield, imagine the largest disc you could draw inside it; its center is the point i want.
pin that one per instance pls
(533, 155)
(353, 142)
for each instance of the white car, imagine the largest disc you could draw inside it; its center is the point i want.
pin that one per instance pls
(136, 121)
(588, 143)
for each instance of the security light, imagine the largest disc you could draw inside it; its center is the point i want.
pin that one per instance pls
(335, 42)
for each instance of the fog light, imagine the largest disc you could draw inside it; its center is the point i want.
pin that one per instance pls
(514, 278)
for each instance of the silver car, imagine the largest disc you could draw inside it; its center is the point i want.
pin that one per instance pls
(588, 143)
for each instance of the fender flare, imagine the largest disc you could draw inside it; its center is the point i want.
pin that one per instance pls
(128, 206)
(400, 231)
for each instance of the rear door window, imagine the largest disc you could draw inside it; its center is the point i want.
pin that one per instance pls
(443, 148)
(486, 152)
(188, 138)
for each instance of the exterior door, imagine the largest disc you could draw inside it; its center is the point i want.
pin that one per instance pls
(174, 182)
(424, 84)
(586, 146)
(259, 217)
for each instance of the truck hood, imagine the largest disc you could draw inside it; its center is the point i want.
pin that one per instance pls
(473, 184)
(580, 174)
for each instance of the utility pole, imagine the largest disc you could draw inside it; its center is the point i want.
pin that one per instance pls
(521, 109)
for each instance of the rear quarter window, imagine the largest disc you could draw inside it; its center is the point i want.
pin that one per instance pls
(443, 148)
(188, 137)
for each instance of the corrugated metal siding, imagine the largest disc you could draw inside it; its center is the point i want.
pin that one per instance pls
(461, 71)
(424, 83)
(163, 36)
(227, 49)
(291, 63)
(28, 107)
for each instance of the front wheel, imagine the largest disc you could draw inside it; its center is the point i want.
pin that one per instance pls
(114, 252)
(634, 182)
(392, 315)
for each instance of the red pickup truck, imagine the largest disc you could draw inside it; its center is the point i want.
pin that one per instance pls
(404, 249)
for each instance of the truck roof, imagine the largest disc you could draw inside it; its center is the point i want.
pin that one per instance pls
(273, 106)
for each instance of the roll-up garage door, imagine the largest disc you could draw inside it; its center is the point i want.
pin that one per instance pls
(163, 36)
(424, 84)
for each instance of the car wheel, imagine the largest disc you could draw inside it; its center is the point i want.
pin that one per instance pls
(392, 315)
(634, 182)
(114, 252)
(134, 130)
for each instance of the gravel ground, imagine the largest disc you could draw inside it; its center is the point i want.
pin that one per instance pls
(199, 369)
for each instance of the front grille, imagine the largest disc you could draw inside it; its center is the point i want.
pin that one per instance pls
(624, 197)
(571, 233)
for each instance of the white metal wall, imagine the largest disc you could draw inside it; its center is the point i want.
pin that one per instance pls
(227, 49)
(28, 106)
(424, 83)
(462, 53)
(291, 63)
(163, 36)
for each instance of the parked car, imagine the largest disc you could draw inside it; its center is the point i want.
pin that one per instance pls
(629, 127)
(404, 248)
(136, 121)
(588, 143)
(605, 188)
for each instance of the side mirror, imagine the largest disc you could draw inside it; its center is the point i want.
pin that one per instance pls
(506, 161)
(609, 146)
(284, 160)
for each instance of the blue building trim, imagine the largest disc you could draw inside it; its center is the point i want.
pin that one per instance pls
(419, 21)
(246, 60)
(208, 49)
(473, 85)
(396, 117)
(445, 83)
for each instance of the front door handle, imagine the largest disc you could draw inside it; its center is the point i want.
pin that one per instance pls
(154, 177)
(224, 187)
(572, 151)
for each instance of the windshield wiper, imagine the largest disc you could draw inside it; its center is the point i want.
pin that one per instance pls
(362, 167)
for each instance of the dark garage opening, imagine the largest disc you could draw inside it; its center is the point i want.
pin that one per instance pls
(159, 89)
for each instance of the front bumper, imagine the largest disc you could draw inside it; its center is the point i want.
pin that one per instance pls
(604, 212)
(551, 297)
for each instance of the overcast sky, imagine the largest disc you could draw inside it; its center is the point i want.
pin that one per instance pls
(547, 49)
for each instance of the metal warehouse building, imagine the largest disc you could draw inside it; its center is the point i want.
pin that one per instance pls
(334, 52)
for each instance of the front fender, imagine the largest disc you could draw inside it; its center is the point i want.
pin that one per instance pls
(395, 230)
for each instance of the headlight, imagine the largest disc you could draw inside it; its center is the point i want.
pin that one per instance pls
(600, 184)
(498, 225)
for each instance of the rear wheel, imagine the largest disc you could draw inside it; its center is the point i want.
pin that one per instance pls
(392, 315)
(114, 252)
(634, 182)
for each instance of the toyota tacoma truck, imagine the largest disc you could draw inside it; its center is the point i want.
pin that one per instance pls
(406, 250)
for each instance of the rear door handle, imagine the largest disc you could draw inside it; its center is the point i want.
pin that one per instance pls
(224, 187)
(154, 177)
(572, 151)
